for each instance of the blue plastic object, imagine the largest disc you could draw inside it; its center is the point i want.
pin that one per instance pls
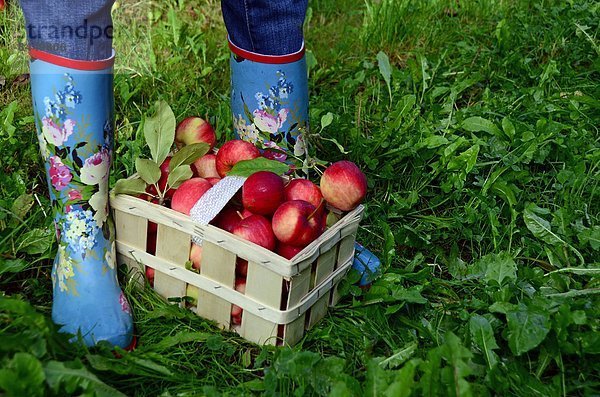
(74, 120)
(366, 263)
(269, 101)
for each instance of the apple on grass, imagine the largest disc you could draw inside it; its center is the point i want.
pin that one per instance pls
(262, 193)
(194, 130)
(206, 166)
(256, 229)
(297, 223)
(188, 193)
(233, 152)
(344, 185)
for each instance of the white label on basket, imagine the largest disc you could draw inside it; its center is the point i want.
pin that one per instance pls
(214, 200)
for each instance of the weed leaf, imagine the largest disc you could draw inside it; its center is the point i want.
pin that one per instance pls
(12, 265)
(539, 226)
(482, 335)
(22, 205)
(527, 327)
(386, 70)
(148, 170)
(75, 376)
(23, 375)
(159, 131)
(478, 124)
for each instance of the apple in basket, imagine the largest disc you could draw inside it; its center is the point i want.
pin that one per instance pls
(343, 185)
(188, 193)
(206, 166)
(256, 229)
(194, 130)
(262, 193)
(233, 152)
(297, 223)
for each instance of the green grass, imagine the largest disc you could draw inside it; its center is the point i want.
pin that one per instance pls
(484, 168)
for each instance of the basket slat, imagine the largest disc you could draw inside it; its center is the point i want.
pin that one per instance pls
(174, 246)
(299, 286)
(132, 230)
(345, 253)
(325, 265)
(264, 286)
(218, 264)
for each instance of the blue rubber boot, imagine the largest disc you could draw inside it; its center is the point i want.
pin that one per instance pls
(366, 263)
(269, 101)
(73, 107)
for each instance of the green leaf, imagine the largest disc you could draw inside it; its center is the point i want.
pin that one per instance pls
(400, 356)
(410, 295)
(178, 176)
(590, 236)
(508, 128)
(22, 376)
(477, 124)
(539, 226)
(482, 335)
(12, 265)
(159, 131)
(386, 70)
(432, 142)
(129, 186)
(148, 170)
(326, 120)
(22, 205)
(497, 268)
(35, 242)
(465, 161)
(527, 327)
(249, 167)
(68, 378)
(188, 154)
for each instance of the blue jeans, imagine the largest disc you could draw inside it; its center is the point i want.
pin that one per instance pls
(83, 29)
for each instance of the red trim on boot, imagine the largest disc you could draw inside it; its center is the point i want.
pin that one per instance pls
(271, 59)
(72, 63)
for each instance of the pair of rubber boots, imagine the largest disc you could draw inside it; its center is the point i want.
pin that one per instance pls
(73, 108)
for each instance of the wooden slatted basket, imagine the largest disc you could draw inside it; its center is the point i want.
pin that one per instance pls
(283, 298)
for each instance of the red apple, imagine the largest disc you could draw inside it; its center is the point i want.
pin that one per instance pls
(297, 223)
(241, 267)
(232, 152)
(213, 181)
(151, 238)
(245, 213)
(343, 185)
(257, 229)
(206, 167)
(287, 251)
(227, 219)
(236, 311)
(262, 193)
(188, 193)
(303, 189)
(150, 275)
(196, 256)
(194, 130)
(2, 5)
